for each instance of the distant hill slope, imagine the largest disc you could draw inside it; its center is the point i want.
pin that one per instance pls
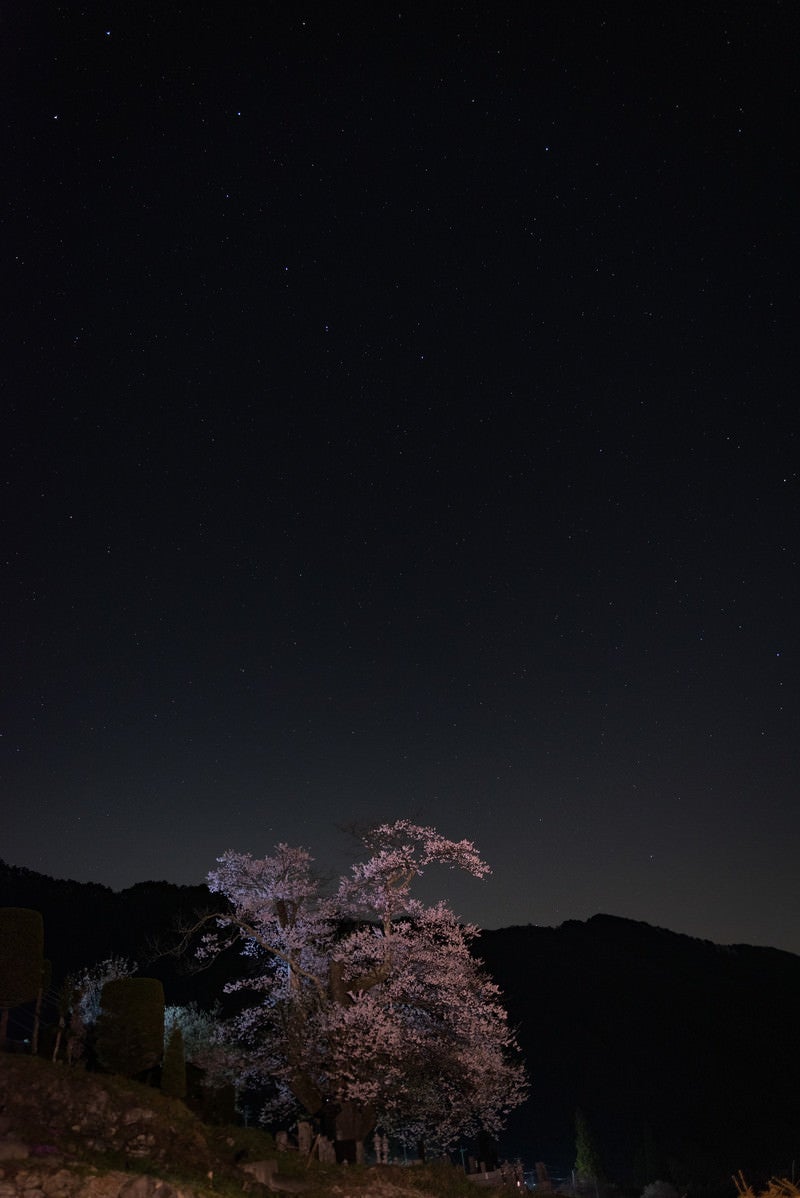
(86, 923)
(680, 1052)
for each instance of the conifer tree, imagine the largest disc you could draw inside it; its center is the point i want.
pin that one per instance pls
(130, 1029)
(173, 1070)
(587, 1154)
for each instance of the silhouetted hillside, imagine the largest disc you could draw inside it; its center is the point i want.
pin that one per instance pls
(679, 1051)
(86, 923)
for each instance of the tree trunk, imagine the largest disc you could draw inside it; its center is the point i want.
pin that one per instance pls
(306, 1093)
(59, 1035)
(36, 1017)
(336, 983)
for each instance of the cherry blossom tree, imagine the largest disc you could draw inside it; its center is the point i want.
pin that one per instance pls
(366, 997)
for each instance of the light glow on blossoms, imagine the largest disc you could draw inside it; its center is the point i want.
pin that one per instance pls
(368, 998)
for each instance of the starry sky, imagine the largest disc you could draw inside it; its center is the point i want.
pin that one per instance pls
(401, 420)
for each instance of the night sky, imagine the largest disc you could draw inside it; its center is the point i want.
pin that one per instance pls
(401, 420)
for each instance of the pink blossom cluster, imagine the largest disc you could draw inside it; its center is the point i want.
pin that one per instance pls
(368, 996)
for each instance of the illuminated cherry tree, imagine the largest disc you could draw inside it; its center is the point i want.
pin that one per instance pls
(366, 997)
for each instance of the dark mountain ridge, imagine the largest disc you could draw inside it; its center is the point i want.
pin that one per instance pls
(86, 922)
(680, 1052)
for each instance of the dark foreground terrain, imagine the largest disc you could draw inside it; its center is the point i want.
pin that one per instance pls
(65, 1133)
(678, 1051)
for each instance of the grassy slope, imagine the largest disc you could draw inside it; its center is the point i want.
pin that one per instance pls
(50, 1108)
